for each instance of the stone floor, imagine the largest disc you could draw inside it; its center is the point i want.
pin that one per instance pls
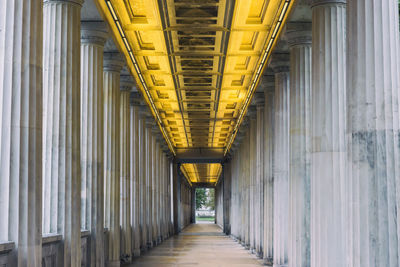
(201, 244)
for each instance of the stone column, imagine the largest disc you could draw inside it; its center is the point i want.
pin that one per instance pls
(259, 182)
(280, 64)
(252, 177)
(373, 190)
(113, 62)
(328, 172)
(126, 85)
(149, 168)
(62, 159)
(135, 175)
(299, 38)
(21, 47)
(268, 84)
(142, 177)
(93, 37)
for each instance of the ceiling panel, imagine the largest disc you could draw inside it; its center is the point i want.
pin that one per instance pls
(196, 62)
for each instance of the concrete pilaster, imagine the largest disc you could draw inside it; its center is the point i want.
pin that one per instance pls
(280, 64)
(93, 37)
(113, 63)
(62, 159)
(299, 38)
(21, 47)
(373, 190)
(328, 133)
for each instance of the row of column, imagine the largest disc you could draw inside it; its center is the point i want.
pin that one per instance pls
(71, 144)
(330, 142)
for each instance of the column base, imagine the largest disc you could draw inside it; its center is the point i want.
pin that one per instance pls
(136, 252)
(268, 261)
(114, 264)
(126, 258)
(280, 265)
(143, 249)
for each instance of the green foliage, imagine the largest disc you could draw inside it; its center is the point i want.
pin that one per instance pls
(205, 198)
(201, 197)
(211, 199)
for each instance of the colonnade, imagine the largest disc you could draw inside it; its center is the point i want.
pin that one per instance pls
(85, 174)
(329, 139)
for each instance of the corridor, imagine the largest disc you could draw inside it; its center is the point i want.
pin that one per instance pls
(125, 122)
(201, 244)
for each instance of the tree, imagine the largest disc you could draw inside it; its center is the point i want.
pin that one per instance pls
(211, 199)
(201, 197)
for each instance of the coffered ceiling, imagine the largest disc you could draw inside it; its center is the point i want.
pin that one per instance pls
(196, 62)
(204, 173)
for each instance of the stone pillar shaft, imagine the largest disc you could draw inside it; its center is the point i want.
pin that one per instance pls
(300, 144)
(62, 159)
(328, 172)
(21, 47)
(269, 118)
(259, 178)
(252, 181)
(281, 169)
(112, 66)
(125, 182)
(373, 133)
(134, 166)
(93, 38)
(142, 181)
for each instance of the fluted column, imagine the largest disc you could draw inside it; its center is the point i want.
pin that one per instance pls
(299, 38)
(21, 47)
(268, 83)
(280, 64)
(328, 133)
(252, 178)
(93, 37)
(62, 159)
(259, 181)
(142, 177)
(149, 177)
(113, 63)
(373, 133)
(134, 167)
(125, 182)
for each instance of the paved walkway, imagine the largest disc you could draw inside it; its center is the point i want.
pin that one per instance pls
(198, 245)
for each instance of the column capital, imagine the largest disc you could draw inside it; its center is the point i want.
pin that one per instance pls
(299, 33)
(76, 2)
(327, 2)
(251, 111)
(113, 61)
(94, 32)
(258, 99)
(268, 83)
(143, 111)
(280, 62)
(135, 99)
(126, 83)
(150, 121)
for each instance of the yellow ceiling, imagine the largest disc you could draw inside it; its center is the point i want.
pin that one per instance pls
(196, 62)
(202, 172)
